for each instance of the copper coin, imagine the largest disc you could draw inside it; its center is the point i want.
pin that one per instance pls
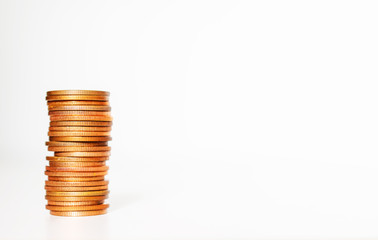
(85, 203)
(80, 129)
(76, 184)
(77, 164)
(78, 169)
(77, 103)
(76, 179)
(77, 159)
(77, 208)
(80, 149)
(80, 123)
(77, 97)
(79, 113)
(78, 214)
(75, 174)
(81, 118)
(79, 108)
(78, 92)
(79, 134)
(76, 199)
(78, 194)
(76, 144)
(82, 154)
(80, 139)
(75, 189)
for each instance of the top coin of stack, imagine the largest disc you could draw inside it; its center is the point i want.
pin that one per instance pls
(80, 125)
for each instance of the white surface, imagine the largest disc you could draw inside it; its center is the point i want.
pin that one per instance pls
(232, 119)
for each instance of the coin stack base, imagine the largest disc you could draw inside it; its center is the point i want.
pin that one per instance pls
(80, 125)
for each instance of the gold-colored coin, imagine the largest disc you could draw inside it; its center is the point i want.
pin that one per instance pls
(78, 92)
(77, 159)
(75, 189)
(80, 149)
(76, 179)
(79, 113)
(79, 108)
(76, 144)
(78, 169)
(81, 118)
(82, 154)
(77, 208)
(78, 194)
(85, 203)
(79, 134)
(76, 199)
(80, 129)
(77, 97)
(80, 123)
(77, 164)
(80, 139)
(76, 184)
(75, 174)
(78, 214)
(77, 103)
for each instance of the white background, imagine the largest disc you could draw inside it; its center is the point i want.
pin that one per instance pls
(232, 119)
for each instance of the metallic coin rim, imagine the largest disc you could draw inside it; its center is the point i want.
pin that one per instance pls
(64, 118)
(96, 108)
(80, 129)
(81, 123)
(77, 208)
(76, 144)
(77, 134)
(77, 92)
(75, 189)
(77, 164)
(79, 214)
(83, 154)
(76, 159)
(78, 169)
(84, 203)
(80, 149)
(76, 179)
(76, 199)
(79, 113)
(78, 194)
(75, 174)
(53, 98)
(80, 139)
(76, 184)
(77, 103)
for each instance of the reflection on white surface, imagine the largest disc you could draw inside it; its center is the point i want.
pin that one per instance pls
(93, 227)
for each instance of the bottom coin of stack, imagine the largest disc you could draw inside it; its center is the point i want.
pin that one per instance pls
(79, 132)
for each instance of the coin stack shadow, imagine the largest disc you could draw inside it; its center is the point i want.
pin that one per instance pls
(80, 125)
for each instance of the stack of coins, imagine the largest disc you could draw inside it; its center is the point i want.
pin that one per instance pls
(80, 124)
